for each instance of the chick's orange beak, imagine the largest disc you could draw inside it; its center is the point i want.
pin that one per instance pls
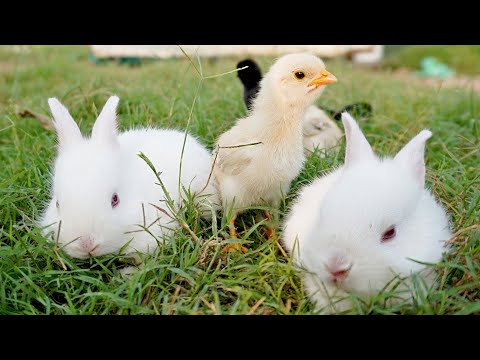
(324, 79)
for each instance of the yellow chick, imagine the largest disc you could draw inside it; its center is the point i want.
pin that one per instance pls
(257, 175)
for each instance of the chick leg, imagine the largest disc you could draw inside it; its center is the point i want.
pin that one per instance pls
(270, 230)
(233, 231)
(233, 234)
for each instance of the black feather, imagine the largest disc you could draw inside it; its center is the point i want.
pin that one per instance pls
(250, 78)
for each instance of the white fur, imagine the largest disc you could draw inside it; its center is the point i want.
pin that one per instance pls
(342, 215)
(88, 171)
(319, 131)
(259, 174)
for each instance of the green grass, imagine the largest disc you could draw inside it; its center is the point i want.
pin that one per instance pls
(194, 277)
(464, 59)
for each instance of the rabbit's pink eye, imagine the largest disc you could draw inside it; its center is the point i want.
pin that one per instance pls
(115, 200)
(389, 234)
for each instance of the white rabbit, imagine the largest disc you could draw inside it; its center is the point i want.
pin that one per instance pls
(355, 229)
(104, 194)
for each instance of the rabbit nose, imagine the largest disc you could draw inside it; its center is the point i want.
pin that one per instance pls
(337, 275)
(87, 244)
(338, 267)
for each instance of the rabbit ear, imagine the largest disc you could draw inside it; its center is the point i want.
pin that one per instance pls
(412, 155)
(357, 145)
(105, 127)
(66, 128)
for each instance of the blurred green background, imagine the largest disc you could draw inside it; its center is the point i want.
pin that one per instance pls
(464, 59)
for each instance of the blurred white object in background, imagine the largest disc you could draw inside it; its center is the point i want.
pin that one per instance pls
(20, 49)
(369, 58)
(360, 52)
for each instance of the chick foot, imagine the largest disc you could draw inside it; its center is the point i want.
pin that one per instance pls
(233, 234)
(234, 248)
(269, 230)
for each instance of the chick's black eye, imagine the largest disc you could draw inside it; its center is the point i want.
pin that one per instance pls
(57, 204)
(115, 200)
(389, 234)
(299, 74)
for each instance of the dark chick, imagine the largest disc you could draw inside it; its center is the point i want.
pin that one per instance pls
(250, 78)
(361, 109)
